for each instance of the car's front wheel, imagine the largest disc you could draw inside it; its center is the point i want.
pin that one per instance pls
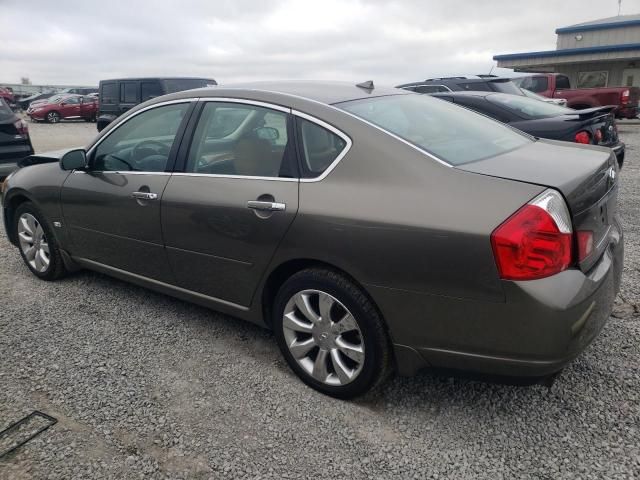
(330, 334)
(38, 246)
(53, 117)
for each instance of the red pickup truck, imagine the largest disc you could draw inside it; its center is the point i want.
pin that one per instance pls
(556, 85)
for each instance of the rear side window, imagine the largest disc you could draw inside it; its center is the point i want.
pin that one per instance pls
(109, 94)
(562, 83)
(430, 89)
(320, 148)
(129, 92)
(150, 90)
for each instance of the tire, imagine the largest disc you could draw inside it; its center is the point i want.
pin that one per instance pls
(52, 117)
(28, 222)
(342, 376)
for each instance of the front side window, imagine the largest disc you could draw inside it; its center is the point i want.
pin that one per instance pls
(71, 100)
(320, 148)
(453, 134)
(562, 83)
(142, 143)
(239, 139)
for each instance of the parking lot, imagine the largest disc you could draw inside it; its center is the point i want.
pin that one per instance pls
(144, 385)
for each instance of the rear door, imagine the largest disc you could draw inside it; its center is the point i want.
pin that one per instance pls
(112, 210)
(225, 213)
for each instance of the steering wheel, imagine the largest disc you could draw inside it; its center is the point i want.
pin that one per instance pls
(163, 150)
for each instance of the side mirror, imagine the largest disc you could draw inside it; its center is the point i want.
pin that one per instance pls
(62, 104)
(74, 160)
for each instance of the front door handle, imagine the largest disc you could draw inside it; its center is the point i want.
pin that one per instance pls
(266, 206)
(144, 196)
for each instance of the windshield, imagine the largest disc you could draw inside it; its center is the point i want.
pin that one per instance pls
(180, 84)
(451, 133)
(528, 107)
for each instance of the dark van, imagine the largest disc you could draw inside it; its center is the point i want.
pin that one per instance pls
(119, 95)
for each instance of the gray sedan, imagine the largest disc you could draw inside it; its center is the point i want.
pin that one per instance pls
(374, 230)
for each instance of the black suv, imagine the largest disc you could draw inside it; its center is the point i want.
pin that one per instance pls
(476, 83)
(119, 95)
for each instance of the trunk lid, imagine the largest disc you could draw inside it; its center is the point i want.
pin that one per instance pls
(586, 176)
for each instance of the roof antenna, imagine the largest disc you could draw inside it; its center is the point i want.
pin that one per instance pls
(368, 85)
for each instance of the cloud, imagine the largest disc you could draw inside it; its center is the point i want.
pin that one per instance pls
(79, 42)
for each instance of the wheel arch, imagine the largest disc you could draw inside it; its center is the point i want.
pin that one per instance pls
(12, 204)
(279, 275)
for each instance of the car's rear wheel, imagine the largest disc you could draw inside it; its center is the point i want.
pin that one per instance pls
(53, 117)
(38, 246)
(330, 334)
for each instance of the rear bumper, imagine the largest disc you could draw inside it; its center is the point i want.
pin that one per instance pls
(619, 150)
(542, 325)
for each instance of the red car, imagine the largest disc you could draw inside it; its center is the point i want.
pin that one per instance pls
(556, 85)
(7, 95)
(68, 107)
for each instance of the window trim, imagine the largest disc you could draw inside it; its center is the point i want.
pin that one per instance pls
(332, 129)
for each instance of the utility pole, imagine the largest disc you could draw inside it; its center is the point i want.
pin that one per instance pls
(619, 6)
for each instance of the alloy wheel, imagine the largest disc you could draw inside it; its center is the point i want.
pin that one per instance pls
(53, 117)
(323, 337)
(33, 243)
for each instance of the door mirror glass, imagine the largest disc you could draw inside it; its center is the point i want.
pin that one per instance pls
(74, 160)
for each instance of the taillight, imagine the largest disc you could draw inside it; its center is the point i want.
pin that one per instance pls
(585, 244)
(583, 137)
(536, 241)
(598, 135)
(21, 127)
(624, 97)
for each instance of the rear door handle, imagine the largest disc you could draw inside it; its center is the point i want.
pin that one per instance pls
(144, 195)
(266, 206)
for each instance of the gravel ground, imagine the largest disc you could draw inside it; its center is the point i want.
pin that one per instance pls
(147, 386)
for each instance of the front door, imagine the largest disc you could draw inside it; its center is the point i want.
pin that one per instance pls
(224, 216)
(112, 210)
(70, 107)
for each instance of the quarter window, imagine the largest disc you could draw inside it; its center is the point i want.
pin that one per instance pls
(238, 139)
(142, 143)
(320, 148)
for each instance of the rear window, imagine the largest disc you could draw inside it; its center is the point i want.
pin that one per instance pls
(449, 132)
(528, 107)
(534, 84)
(505, 87)
(180, 84)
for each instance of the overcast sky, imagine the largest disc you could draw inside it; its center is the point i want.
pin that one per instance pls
(80, 42)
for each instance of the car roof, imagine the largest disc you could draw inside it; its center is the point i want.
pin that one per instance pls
(135, 79)
(328, 93)
(469, 93)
